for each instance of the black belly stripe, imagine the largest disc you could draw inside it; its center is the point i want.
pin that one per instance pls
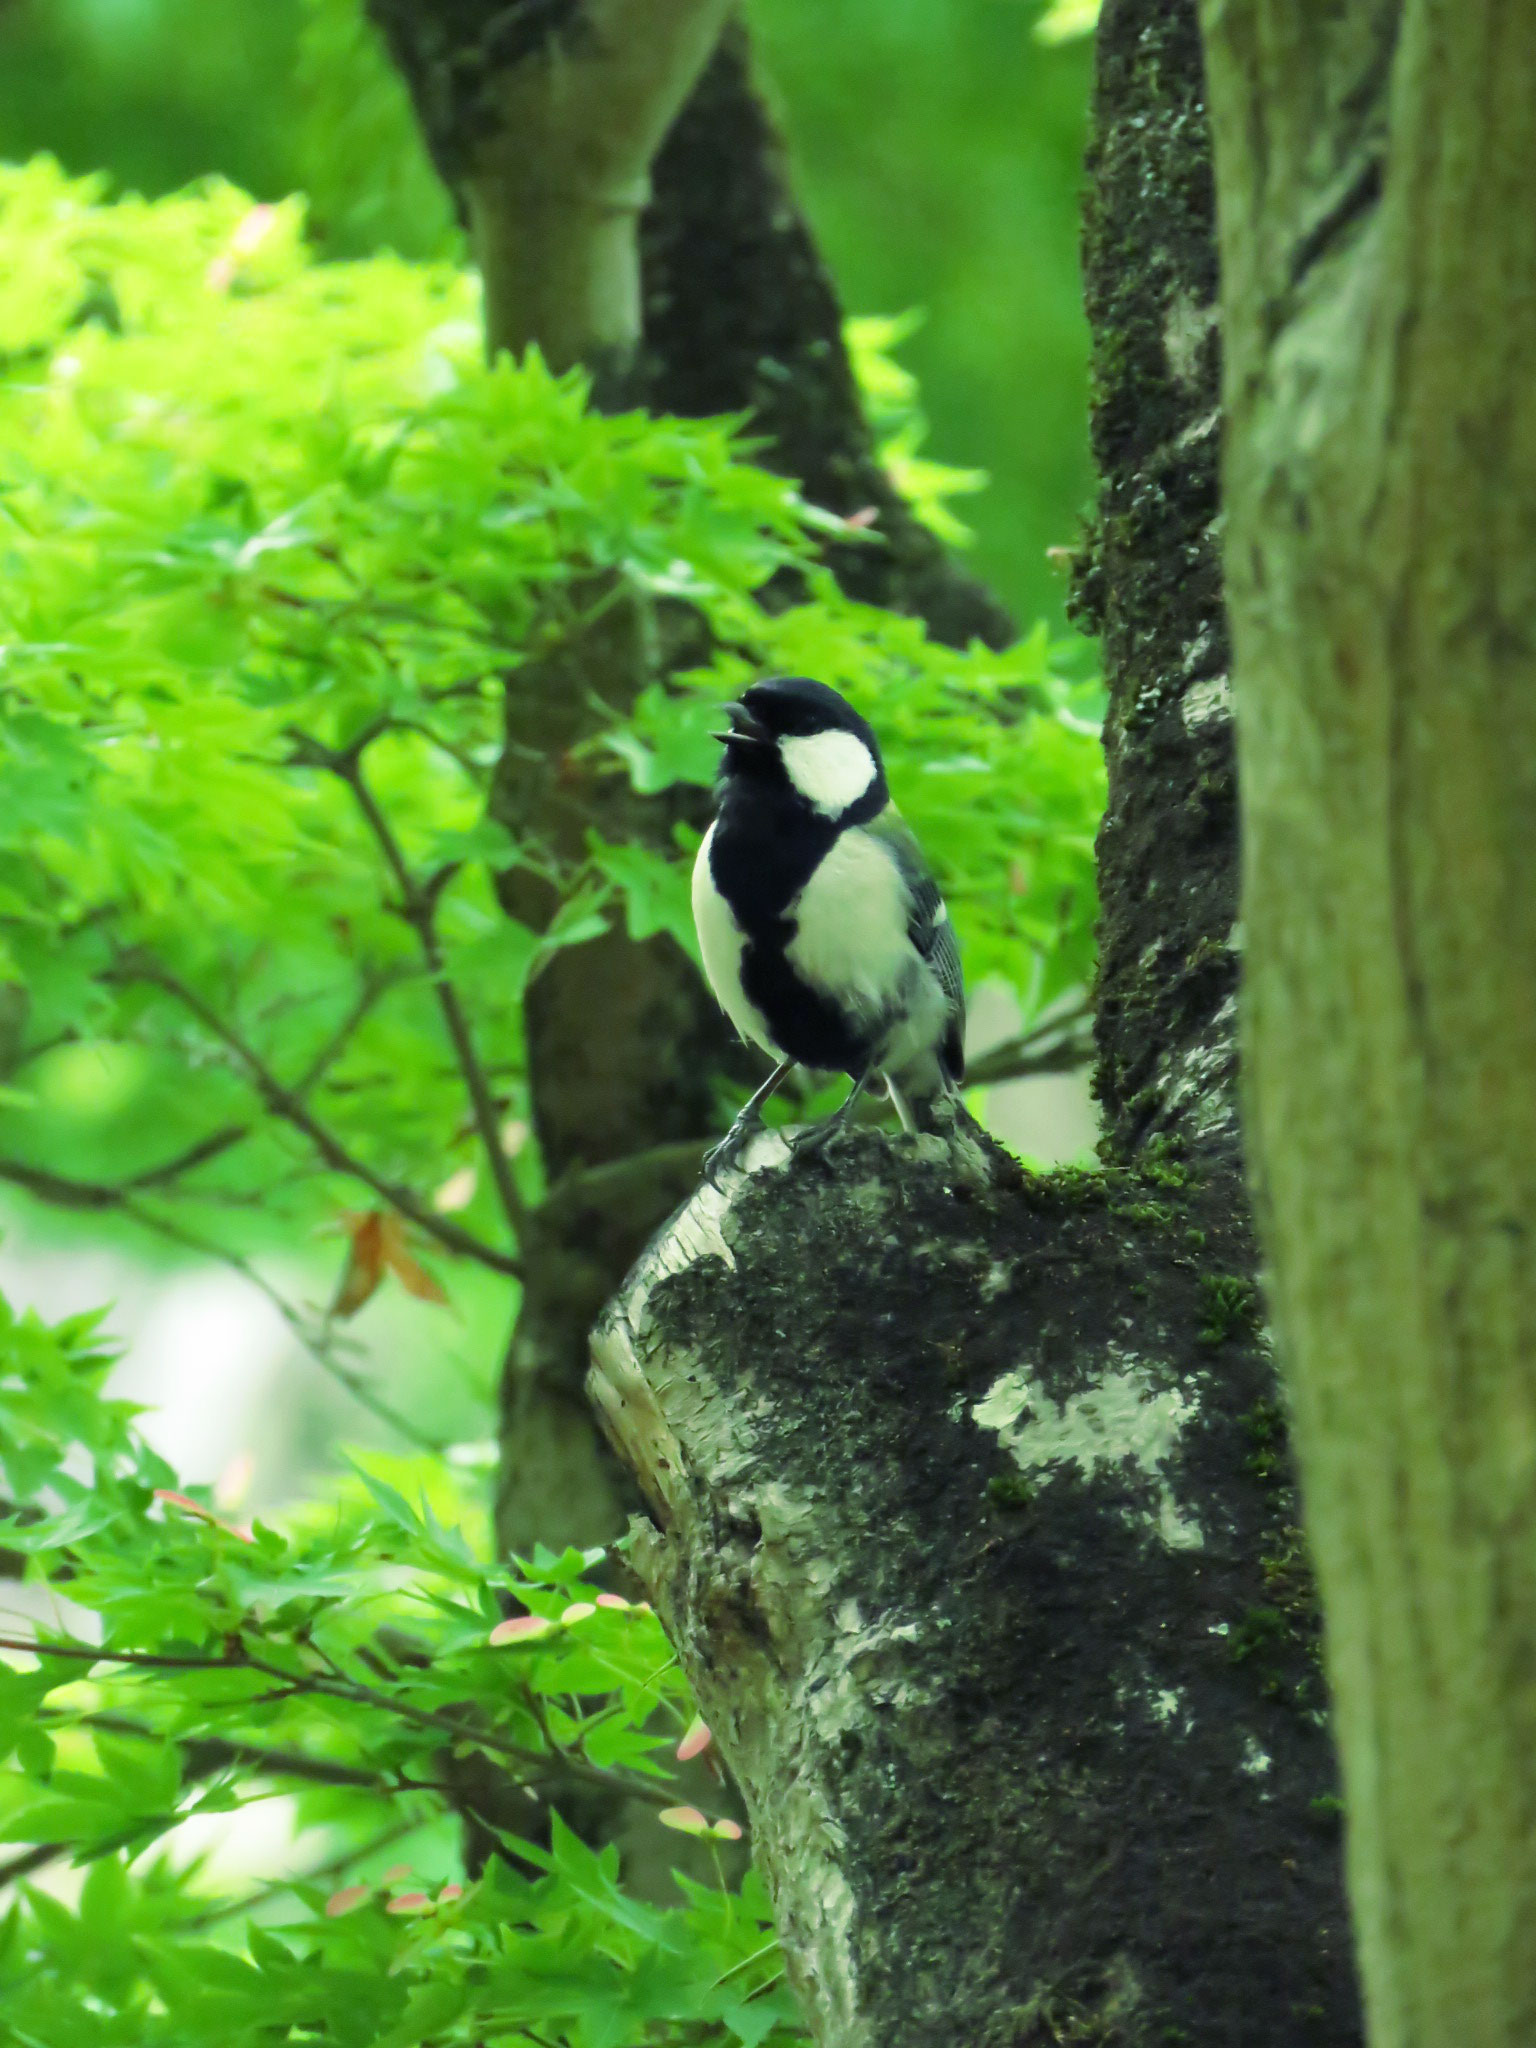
(806, 1026)
(765, 849)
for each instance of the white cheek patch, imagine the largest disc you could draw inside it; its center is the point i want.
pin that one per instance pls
(831, 770)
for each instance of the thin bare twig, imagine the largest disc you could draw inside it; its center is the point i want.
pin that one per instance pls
(66, 1192)
(418, 906)
(60, 1189)
(285, 1103)
(32, 1859)
(375, 985)
(316, 1343)
(1056, 1045)
(209, 1754)
(205, 1758)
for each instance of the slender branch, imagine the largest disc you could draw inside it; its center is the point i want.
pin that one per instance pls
(66, 1192)
(332, 1867)
(557, 1765)
(97, 1195)
(30, 1860)
(150, 1660)
(285, 1102)
(212, 1147)
(1056, 1045)
(318, 1345)
(204, 1759)
(375, 985)
(59, 1189)
(418, 906)
(208, 1754)
(620, 1180)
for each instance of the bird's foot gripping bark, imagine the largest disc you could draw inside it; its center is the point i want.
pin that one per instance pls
(748, 1122)
(812, 1143)
(720, 1158)
(817, 1139)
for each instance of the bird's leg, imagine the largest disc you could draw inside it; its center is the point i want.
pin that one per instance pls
(727, 1151)
(819, 1136)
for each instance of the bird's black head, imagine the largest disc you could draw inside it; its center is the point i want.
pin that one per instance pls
(803, 739)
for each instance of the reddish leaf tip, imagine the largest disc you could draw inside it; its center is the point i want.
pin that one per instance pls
(520, 1629)
(686, 1819)
(695, 1741)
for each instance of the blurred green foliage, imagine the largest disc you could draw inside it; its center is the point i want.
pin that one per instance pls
(937, 150)
(359, 1657)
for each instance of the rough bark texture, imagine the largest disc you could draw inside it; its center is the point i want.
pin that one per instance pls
(741, 316)
(1378, 189)
(969, 1510)
(1151, 587)
(626, 1048)
(967, 1546)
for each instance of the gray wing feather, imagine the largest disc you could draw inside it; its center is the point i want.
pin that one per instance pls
(929, 928)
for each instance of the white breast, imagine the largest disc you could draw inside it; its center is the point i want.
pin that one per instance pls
(851, 939)
(720, 943)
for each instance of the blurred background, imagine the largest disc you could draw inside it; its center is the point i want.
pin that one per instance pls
(937, 147)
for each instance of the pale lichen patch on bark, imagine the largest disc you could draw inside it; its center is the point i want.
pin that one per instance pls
(1187, 324)
(1194, 1080)
(1257, 1761)
(1123, 1416)
(1206, 701)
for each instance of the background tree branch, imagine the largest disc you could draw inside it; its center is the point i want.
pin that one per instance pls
(544, 117)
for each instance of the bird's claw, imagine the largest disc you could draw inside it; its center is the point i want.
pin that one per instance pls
(812, 1143)
(724, 1155)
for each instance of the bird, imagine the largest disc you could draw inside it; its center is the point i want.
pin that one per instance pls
(821, 928)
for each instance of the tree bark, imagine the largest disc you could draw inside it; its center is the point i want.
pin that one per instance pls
(1378, 193)
(968, 1506)
(741, 316)
(544, 117)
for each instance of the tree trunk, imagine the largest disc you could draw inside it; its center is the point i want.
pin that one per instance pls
(1378, 190)
(718, 302)
(968, 1510)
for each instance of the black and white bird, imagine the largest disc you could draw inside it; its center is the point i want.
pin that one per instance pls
(823, 933)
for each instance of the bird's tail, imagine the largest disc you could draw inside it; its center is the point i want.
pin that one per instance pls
(901, 1106)
(927, 1108)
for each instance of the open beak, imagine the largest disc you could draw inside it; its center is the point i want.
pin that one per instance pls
(746, 731)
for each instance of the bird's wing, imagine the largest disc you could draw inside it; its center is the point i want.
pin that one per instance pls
(928, 924)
